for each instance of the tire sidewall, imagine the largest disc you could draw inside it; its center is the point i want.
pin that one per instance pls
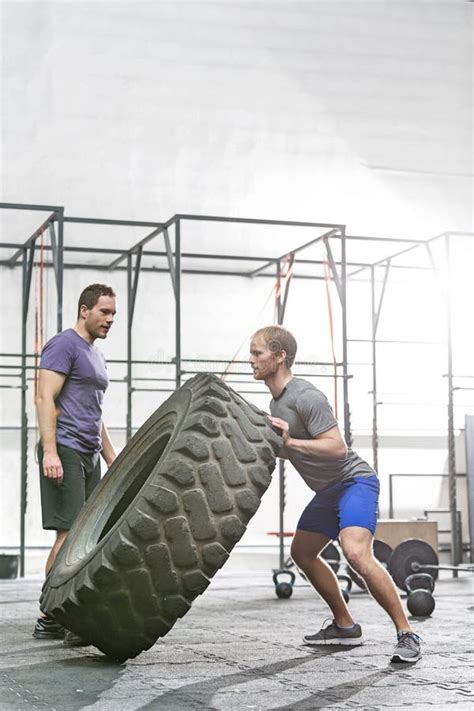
(82, 543)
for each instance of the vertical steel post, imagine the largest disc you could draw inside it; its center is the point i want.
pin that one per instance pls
(177, 280)
(27, 267)
(376, 311)
(129, 347)
(345, 373)
(281, 463)
(469, 435)
(374, 372)
(455, 551)
(60, 269)
(132, 286)
(390, 495)
(281, 527)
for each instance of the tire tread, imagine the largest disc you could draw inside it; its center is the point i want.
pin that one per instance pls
(178, 531)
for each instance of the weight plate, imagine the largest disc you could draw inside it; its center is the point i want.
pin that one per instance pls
(332, 555)
(405, 554)
(382, 551)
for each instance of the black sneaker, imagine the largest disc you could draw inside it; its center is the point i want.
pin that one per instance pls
(408, 648)
(46, 628)
(71, 639)
(332, 634)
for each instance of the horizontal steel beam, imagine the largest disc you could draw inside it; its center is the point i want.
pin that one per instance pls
(381, 340)
(385, 239)
(40, 208)
(104, 221)
(159, 270)
(187, 255)
(194, 255)
(257, 221)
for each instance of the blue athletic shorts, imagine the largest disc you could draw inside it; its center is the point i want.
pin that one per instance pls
(347, 503)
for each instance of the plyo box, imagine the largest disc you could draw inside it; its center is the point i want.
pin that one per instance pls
(394, 531)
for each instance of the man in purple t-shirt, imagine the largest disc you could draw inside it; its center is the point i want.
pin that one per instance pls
(72, 382)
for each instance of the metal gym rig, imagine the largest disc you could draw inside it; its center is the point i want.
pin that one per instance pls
(131, 260)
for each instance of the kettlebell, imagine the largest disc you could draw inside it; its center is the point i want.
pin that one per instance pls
(284, 589)
(420, 601)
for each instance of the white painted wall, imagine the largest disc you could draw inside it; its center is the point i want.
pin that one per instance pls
(355, 112)
(348, 112)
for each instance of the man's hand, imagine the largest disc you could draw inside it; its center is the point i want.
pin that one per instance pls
(283, 426)
(110, 460)
(108, 451)
(325, 446)
(52, 468)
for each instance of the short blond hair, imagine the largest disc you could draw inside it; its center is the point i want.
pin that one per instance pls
(279, 339)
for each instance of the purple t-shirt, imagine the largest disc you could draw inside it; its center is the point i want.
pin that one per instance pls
(79, 404)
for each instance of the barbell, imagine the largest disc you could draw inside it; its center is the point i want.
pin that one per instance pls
(415, 556)
(406, 564)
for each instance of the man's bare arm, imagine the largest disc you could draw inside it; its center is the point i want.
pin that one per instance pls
(327, 445)
(50, 384)
(108, 451)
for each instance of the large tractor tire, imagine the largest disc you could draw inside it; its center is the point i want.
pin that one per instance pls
(163, 519)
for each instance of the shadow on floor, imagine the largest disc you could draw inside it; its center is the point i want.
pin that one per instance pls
(199, 694)
(69, 683)
(334, 695)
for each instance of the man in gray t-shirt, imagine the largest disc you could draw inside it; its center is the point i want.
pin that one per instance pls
(346, 499)
(72, 382)
(308, 414)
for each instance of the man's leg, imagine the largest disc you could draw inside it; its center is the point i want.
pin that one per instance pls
(60, 505)
(358, 520)
(91, 469)
(356, 544)
(305, 551)
(60, 538)
(47, 628)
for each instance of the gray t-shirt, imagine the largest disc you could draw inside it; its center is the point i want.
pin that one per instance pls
(308, 413)
(79, 404)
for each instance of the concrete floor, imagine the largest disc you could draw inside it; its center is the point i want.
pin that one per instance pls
(240, 648)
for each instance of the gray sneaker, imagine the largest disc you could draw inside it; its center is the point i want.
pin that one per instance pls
(408, 648)
(332, 634)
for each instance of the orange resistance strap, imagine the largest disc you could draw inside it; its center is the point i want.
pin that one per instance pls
(327, 279)
(285, 273)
